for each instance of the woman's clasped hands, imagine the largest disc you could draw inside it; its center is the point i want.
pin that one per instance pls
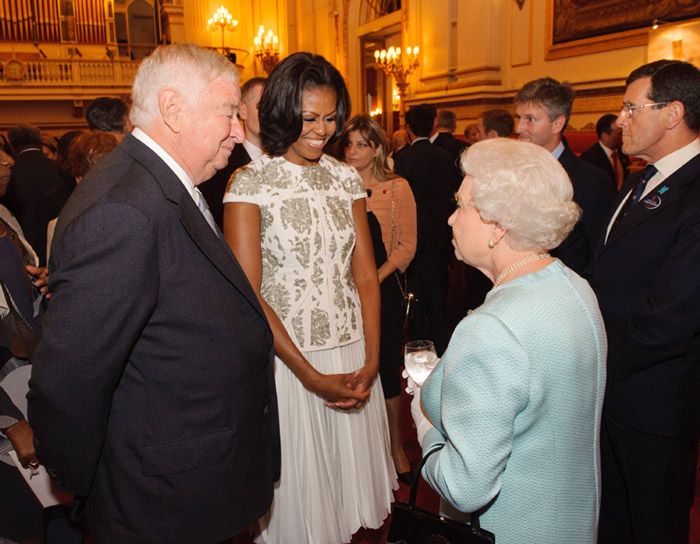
(351, 390)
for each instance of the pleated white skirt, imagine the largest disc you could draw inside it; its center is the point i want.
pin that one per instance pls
(337, 472)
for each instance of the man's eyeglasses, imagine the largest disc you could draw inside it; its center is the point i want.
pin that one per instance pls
(630, 108)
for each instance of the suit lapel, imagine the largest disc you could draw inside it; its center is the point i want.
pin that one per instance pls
(668, 191)
(208, 242)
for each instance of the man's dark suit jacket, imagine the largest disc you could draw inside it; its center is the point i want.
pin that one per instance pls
(647, 281)
(152, 390)
(597, 157)
(48, 207)
(33, 175)
(449, 143)
(214, 188)
(454, 148)
(594, 194)
(426, 167)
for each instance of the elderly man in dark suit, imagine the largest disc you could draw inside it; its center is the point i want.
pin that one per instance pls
(443, 136)
(427, 168)
(251, 149)
(606, 153)
(645, 274)
(445, 125)
(543, 109)
(152, 394)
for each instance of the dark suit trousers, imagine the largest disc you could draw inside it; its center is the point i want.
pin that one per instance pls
(428, 279)
(648, 486)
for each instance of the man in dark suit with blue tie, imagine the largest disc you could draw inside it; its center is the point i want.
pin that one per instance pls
(543, 109)
(645, 273)
(152, 396)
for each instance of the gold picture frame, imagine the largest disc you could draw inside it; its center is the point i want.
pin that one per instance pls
(579, 27)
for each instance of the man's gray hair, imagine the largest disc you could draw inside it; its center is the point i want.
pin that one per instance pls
(522, 187)
(447, 119)
(186, 68)
(554, 96)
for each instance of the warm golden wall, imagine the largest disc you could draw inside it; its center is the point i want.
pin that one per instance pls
(475, 54)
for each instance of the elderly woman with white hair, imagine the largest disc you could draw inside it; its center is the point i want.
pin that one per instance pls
(516, 398)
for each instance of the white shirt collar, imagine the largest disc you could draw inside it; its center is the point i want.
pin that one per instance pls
(417, 138)
(607, 150)
(149, 142)
(557, 151)
(253, 150)
(668, 165)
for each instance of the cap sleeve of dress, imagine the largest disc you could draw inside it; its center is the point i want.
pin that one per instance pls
(244, 186)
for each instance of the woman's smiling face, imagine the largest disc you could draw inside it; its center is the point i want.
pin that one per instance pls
(318, 110)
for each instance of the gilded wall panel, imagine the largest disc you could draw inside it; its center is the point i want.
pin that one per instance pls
(579, 27)
(577, 19)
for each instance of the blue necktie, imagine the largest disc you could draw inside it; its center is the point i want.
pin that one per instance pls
(635, 195)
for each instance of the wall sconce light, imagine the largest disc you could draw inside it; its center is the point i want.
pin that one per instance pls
(223, 19)
(656, 23)
(267, 49)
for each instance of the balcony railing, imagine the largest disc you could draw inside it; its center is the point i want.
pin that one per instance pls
(61, 73)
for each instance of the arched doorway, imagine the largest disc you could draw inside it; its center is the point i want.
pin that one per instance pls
(135, 27)
(372, 25)
(142, 28)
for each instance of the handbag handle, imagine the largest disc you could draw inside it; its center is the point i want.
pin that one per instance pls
(415, 481)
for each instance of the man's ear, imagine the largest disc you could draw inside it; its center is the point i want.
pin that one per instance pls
(242, 111)
(675, 113)
(558, 124)
(171, 106)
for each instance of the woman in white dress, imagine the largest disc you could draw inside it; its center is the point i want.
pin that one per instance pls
(296, 220)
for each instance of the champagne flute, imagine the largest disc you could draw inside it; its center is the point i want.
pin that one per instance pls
(420, 358)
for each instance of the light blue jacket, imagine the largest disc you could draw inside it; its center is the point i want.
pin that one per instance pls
(516, 399)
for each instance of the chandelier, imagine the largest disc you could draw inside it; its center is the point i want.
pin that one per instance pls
(391, 62)
(223, 19)
(267, 49)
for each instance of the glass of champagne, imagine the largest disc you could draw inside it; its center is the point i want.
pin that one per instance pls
(420, 358)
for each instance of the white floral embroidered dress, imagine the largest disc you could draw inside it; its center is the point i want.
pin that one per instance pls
(337, 472)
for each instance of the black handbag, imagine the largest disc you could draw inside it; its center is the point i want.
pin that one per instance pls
(411, 525)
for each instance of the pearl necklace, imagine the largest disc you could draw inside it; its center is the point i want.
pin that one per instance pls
(517, 265)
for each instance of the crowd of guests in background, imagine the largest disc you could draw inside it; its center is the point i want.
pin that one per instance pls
(228, 273)
(37, 176)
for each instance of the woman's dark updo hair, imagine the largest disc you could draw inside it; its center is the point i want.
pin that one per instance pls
(280, 105)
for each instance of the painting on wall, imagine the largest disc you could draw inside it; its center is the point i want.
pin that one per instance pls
(586, 26)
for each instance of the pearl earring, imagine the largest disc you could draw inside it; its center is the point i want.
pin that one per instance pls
(492, 244)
